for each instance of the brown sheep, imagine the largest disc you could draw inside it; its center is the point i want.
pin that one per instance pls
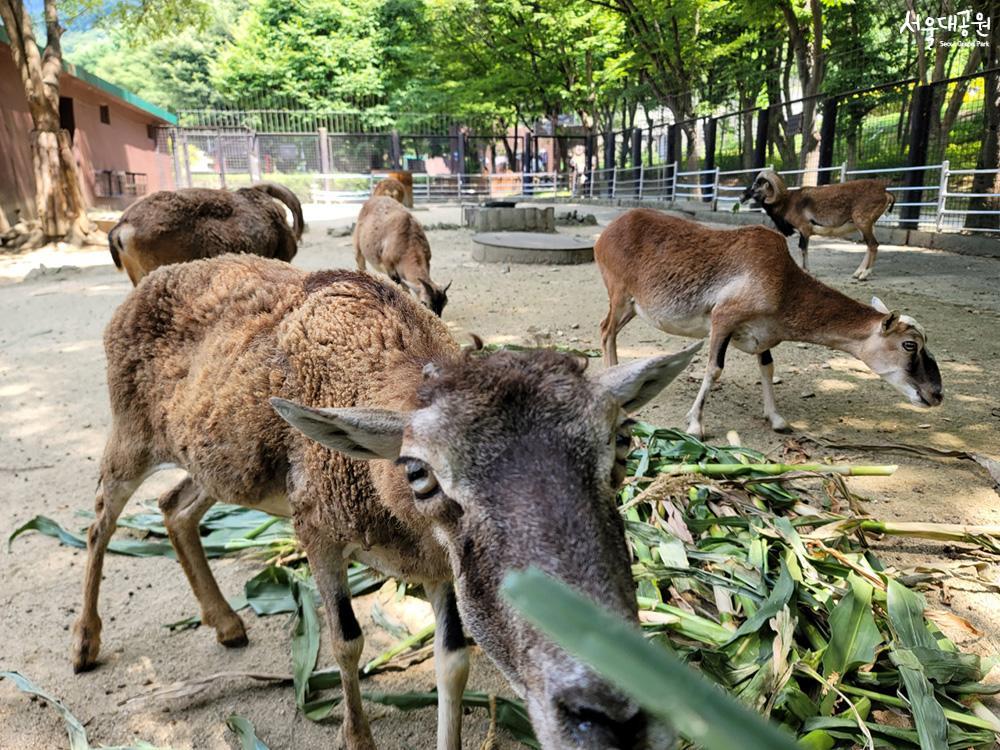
(175, 226)
(741, 287)
(390, 238)
(826, 210)
(439, 467)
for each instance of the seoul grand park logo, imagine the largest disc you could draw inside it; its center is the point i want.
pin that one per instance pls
(974, 28)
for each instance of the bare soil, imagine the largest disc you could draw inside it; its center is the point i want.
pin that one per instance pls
(54, 417)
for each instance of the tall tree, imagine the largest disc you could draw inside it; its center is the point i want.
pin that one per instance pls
(60, 206)
(987, 182)
(805, 40)
(61, 211)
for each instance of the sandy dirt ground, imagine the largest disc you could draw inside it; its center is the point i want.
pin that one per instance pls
(54, 418)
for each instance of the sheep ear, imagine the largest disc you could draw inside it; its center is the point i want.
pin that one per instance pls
(356, 432)
(637, 383)
(890, 321)
(880, 306)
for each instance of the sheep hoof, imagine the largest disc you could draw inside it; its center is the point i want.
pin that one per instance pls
(86, 645)
(778, 424)
(232, 633)
(695, 428)
(862, 274)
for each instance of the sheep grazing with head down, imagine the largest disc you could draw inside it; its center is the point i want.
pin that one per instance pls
(390, 238)
(175, 226)
(338, 400)
(826, 210)
(741, 287)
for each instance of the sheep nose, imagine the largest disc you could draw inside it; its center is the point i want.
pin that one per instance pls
(607, 728)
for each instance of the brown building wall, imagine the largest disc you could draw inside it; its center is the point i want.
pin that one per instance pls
(123, 145)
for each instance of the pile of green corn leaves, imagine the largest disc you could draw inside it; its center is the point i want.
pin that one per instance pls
(756, 573)
(773, 592)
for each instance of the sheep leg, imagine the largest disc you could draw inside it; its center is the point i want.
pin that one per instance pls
(621, 309)
(718, 342)
(778, 424)
(804, 249)
(451, 664)
(865, 269)
(329, 568)
(359, 257)
(183, 508)
(112, 494)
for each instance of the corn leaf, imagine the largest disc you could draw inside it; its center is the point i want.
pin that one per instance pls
(854, 636)
(651, 676)
(245, 733)
(780, 595)
(74, 729)
(305, 641)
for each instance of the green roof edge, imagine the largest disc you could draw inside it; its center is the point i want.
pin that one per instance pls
(117, 91)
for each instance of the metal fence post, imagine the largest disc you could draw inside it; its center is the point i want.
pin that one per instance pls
(843, 172)
(459, 176)
(942, 192)
(176, 148)
(187, 159)
(642, 178)
(715, 191)
(614, 180)
(222, 160)
(324, 156)
(673, 182)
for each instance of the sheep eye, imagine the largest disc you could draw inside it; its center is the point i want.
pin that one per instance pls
(910, 346)
(623, 441)
(422, 480)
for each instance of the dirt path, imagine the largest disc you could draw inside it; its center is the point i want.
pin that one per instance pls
(54, 417)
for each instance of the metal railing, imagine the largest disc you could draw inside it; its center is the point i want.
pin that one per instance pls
(944, 204)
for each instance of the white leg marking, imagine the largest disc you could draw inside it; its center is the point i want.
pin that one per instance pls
(451, 667)
(694, 416)
(778, 424)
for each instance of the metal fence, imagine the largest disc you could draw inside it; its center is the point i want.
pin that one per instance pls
(944, 204)
(925, 141)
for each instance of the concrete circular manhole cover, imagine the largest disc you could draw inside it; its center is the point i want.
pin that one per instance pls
(532, 247)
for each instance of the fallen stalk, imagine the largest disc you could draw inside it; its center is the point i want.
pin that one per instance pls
(723, 470)
(891, 700)
(981, 536)
(414, 640)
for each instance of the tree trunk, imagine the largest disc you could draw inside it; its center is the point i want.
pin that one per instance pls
(989, 158)
(59, 201)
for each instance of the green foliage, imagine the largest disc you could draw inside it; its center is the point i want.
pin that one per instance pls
(325, 54)
(171, 69)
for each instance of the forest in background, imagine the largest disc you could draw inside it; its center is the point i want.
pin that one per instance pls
(506, 62)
